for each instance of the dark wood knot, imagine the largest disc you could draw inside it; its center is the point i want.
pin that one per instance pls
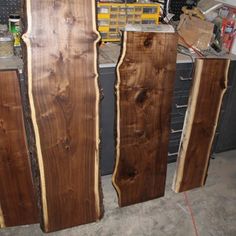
(142, 97)
(148, 41)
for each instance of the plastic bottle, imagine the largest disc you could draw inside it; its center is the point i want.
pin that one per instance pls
(15, 28)
(228, 30)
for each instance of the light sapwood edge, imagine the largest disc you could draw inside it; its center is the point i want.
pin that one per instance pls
(26, 39)
(187, 128)
(215, 121)
(118, 116)
(97, 157)
(2, 221)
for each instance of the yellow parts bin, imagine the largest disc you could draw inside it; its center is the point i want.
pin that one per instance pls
(113, 17)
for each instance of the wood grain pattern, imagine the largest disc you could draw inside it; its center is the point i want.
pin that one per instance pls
(17, 196)
(145, 79)
(201, 119)
(64, 98)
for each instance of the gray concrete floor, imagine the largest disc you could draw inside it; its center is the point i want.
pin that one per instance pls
(213, 206)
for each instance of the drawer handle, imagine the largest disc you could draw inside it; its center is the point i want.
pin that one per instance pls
(172, 154)
(173, 131)
(185, 79)
(180, 106)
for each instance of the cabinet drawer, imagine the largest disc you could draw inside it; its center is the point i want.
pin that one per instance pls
(173, 150)
(179, 104)
(176, 128)
(232, 73)
(226, 97)
(181, 96)
(177, 122)
(214, 147)
(178, 114)
(184, 66)
(178, 110)
(111, 71)
(183, 80)
(175, 134)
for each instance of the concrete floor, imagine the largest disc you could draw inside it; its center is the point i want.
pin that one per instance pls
(213, 206)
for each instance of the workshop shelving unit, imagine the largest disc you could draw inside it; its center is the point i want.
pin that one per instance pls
(113, 17)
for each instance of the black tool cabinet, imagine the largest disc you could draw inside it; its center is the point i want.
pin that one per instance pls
(107, 118)
(225, 138)
(183, 84)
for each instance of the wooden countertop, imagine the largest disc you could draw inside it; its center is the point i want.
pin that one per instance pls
(11, 63)
(108, 56)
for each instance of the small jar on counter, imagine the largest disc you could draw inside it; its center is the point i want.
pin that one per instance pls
(15, 28)
(6, 42)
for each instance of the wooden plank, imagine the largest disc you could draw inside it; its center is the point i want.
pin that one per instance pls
(209, 85)
(64, 98)
(145, 80)
(17, 196)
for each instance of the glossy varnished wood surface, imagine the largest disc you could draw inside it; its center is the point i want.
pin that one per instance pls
(209, 85)
(17, 196)
(145, 79)
(64, 99)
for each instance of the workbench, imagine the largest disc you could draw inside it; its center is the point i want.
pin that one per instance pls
(225, 138)
(11, 63)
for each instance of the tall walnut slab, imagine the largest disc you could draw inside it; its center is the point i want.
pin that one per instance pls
(17, 196)
(63, 92)
(209, 85)
(144, 88)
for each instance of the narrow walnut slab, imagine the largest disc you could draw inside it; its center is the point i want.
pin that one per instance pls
(17, 196)
(64, 100)
(209, 85)
(145, 80)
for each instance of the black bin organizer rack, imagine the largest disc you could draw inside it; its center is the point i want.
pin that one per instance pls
(8, 7)
(175, 7)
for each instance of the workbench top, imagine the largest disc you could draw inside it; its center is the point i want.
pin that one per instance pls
(108, 56)
(11, 63)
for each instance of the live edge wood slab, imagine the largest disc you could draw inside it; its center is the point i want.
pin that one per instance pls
(209, 85)
(17, 195)
(144, 89)
(64, 99)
